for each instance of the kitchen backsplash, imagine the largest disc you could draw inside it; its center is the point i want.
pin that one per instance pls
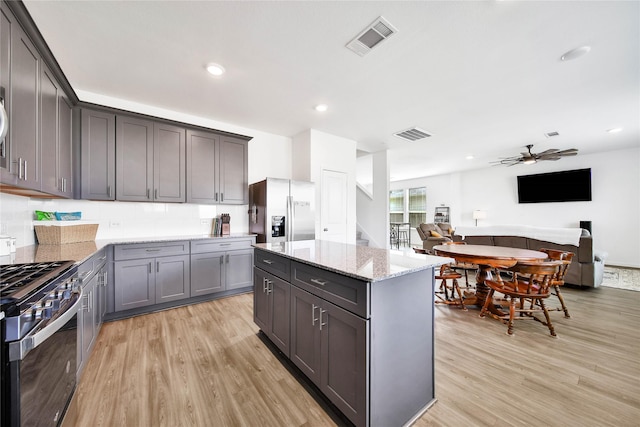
(119, 219)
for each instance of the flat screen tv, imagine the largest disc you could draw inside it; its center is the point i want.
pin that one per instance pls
(565, 186)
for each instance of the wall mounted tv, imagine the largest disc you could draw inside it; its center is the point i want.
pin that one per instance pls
(565, 186)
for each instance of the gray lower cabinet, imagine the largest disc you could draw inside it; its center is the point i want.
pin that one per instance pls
(220, 265)
(92, 275)
(367, 346)
(143, 282)
(98, 155)
(329, 345)
(271, 297)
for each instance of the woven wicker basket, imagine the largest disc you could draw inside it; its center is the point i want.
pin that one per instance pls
(59, 234)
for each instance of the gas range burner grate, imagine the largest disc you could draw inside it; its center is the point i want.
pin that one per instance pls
(19, 280)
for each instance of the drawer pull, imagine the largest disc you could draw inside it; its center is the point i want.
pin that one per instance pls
(319, 282)
(225, 244)
(267, 261)
(153, 250)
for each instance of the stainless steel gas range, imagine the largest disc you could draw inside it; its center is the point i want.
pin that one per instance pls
(39, 341)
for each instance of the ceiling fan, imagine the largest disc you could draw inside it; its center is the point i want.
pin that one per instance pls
(530, 158)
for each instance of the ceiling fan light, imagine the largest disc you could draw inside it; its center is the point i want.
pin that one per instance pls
(529, 161)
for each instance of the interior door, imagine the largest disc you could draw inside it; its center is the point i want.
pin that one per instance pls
(334, 206)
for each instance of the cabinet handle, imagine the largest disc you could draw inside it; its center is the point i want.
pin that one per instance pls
(267, 261)
(318, 282)
(264, 285)
(157, 266)
(155, 194)
(269, 286)
(25, 170)
(152, 250)
(227, 260)
(149, 265)
(19, 167)
(109, 190)
(148, 193)
(222, 197)
(322, 324)
(313, 314)
(221, 259)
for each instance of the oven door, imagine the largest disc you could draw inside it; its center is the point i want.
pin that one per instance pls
(42, 370)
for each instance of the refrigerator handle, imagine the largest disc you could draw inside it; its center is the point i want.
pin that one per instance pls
(290, 219)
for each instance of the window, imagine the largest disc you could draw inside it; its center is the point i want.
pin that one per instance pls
(415, 210)
(417, 206)
(396, 206)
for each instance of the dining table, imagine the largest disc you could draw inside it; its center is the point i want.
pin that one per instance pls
(487, 258)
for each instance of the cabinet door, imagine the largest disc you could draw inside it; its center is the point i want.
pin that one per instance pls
(65, 165)
(260, 300)
(134, 284)
(206, 273)
(202, 167)
(279, 294)
(305, 333)
(134, 159)
(101, 294)
(98, 155)
(25, 118)
(234, 184)
(344, 361)
(7, 20)
(49, 93)
(172, 278)
(238, 269)
(88, 318)
(168, 163)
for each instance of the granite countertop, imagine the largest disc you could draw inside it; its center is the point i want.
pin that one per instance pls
(360, 262)
(82, 251)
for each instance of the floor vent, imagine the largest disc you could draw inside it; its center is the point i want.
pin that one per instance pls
(372, 36)
(413, 134)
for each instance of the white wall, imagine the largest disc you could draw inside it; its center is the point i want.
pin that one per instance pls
(373, 212)
(614, 210)
(315, 151)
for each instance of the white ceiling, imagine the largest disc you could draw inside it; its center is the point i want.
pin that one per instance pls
(485, 77)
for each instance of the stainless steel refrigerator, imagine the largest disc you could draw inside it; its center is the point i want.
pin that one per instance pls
(282, 210)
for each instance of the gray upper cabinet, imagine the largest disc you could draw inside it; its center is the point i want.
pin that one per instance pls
(202, 160)
(25, 117)
(7, 20)
(98, 155)
(216, 169)
(55, 137)
(234, 184)
(169, 163)
(150, 161)
(134, 159)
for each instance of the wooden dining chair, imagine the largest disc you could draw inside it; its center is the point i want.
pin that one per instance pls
(446, 294)
(465, 267)
(558, 280)
(529, 285)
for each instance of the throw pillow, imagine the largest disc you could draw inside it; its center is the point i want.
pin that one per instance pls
(435, 234)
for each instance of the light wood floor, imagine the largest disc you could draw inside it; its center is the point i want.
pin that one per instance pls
(205, 365)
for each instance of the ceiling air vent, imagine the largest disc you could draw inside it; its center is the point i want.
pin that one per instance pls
(413, 134)
(551, 134)
(371, 36)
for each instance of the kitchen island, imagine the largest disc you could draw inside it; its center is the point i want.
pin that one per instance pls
(356, 321)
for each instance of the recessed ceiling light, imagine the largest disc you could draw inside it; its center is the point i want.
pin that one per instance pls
(215, 69)
(575, 53)
(614, 130)
(469, 157)
(321, 107)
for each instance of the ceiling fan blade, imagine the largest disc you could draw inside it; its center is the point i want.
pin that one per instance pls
(568, 152)
(549, 151)
(549, 157)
